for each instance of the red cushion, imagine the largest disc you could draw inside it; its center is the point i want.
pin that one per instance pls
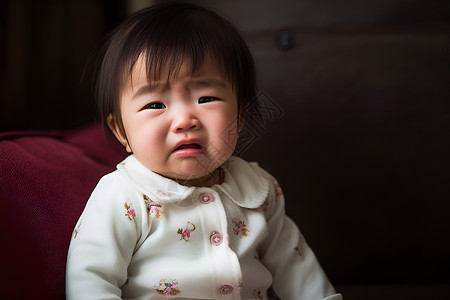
(46, 178)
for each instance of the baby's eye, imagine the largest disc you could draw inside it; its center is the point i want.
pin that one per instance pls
(154, 105)
(206, 99)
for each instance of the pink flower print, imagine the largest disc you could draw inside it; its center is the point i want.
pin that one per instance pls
(186, 233)
(154, 209)
(168, 290)
(168, 287)
(240, 228)
(131, 214)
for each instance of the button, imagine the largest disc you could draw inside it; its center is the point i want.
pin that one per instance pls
(206, 198)
(226, 289)
(216, 238)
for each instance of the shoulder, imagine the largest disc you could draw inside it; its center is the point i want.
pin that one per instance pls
(115, 203)
(111, 184)
(111, 192)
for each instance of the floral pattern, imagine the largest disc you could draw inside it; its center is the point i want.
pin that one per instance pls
(240, 228)
(186, 233)
(168, 287)
(131, 213)
(154, 209)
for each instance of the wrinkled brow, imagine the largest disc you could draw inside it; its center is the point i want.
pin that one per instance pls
(150, 87)
(200, 82)
(207, 82)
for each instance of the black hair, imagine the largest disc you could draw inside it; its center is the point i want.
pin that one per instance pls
(170, 34)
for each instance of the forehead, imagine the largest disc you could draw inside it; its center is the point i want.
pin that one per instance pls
(143, 72)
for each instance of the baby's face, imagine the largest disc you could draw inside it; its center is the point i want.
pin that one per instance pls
(182, 129)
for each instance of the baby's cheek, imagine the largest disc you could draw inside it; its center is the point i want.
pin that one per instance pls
(229, 135)
(226, 143)
(148, 143)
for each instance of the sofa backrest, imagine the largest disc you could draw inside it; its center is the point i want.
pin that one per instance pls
(46, 178)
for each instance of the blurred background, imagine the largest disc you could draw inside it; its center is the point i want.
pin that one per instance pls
(356, 119)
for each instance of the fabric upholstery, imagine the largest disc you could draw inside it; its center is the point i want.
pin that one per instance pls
(46, 178)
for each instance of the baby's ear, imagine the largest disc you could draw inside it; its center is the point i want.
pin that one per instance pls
(115, 129)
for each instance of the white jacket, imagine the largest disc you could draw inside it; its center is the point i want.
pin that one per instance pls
(143, 236)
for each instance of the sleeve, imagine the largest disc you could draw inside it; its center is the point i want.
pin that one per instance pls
(102, 244)
(296, 271)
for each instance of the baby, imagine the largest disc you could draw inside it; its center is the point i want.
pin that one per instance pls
(181, 217)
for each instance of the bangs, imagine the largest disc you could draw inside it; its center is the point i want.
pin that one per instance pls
(180, 37)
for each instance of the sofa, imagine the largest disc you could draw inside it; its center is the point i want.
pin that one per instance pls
(45, 179)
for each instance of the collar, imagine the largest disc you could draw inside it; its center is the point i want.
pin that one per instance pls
(246, 184)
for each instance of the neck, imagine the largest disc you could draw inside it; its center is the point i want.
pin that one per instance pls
(205, 181)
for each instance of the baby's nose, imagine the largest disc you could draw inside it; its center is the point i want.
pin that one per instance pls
(184, 122)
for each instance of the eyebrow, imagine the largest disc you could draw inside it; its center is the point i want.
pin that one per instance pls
(208, 81)
(199, 82)
(148, 88)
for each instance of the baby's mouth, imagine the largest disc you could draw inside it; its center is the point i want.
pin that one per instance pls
(189, 149)
(189, 146)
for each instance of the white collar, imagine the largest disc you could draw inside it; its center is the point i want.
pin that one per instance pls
(245, 183)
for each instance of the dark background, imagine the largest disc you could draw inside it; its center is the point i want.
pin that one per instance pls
(356, 125)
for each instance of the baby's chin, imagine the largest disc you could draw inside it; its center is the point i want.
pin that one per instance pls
(200, 178)
(191, 171)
